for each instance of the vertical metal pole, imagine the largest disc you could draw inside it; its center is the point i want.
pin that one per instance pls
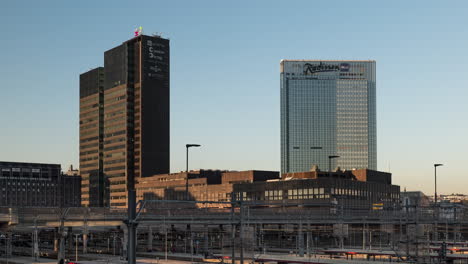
(186, 170)
(113, 245)
(241, 229)
(60, 253)
(191, 244)
(36, 240)
(185, 239)
(150, 239)
(85, 243)
(56, 241)
(131, 251)
(206, 238)
(363, 236)
(446, 230)
(32, 248)
(233, 230)
(300, 239)
(222, 243)
(76, 247)
(435, 185)
(70, 241)
(455, 225)
(165, 240)
(8, 247)
(407, 234)
(342, 225)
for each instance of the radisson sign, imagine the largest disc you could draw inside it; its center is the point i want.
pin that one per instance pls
(312, 69)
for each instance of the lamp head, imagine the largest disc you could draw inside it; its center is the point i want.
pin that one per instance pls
(437, 165)
(192, 145)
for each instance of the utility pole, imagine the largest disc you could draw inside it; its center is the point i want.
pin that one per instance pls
(342, 230)
(241, 229)
(300, 239)
(76, 247)
(62, 234)
(85, 232)
(407, 234)
(363, 236)
(416, 235)
(191, 244)
(165, 239)
(113, 244)
(35, 241)
(131, 222)
(233, 230)
(436, 207)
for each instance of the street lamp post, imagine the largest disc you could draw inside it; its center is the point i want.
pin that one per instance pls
(436, 209)
(187, 146)
(329, 161)
(435, 182)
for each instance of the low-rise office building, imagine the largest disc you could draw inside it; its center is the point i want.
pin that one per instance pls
(203, 185)
(354, 190)
(37, 185)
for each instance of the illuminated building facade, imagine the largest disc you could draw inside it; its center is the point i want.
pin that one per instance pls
(328, 108)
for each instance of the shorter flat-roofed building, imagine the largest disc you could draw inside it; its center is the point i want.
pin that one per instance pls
(37, 185)
(355, 190)
(204, 185)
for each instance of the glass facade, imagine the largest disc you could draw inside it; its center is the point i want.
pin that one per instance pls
(328, 108)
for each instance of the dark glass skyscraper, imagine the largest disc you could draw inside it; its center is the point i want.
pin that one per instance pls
(328, 108)
(135, 118)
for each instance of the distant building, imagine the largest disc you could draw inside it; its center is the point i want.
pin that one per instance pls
(124, 120)
(328, 108)
(453, 198)
(72, 172)
(414, 199)
(451, 211)
(37, 185)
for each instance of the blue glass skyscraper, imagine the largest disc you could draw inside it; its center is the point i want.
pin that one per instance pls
(328, 108)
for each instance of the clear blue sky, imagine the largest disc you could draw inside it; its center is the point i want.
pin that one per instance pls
(225, 76)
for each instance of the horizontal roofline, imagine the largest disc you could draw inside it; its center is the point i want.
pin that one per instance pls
(286, 60)
(30, 163)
